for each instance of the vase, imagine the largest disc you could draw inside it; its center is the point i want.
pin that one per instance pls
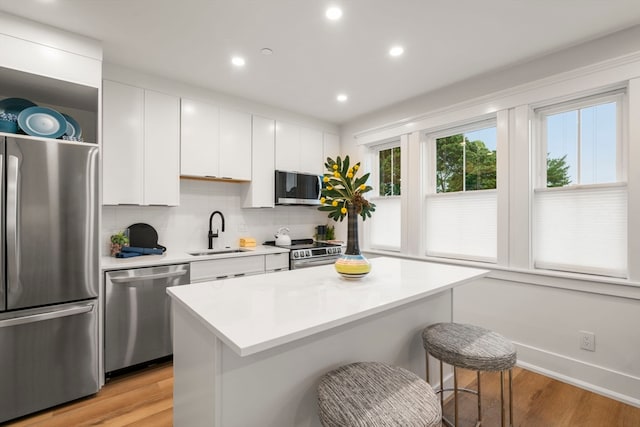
(352, 264)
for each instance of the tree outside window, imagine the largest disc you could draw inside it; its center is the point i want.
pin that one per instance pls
(389, 171)
(466, 161)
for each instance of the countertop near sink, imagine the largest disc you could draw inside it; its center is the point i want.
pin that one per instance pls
(170, 257)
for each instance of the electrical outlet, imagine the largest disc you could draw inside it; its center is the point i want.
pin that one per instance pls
(587, 340)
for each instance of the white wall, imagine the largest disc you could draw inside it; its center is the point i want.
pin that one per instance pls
(185, 227)
(543, 318)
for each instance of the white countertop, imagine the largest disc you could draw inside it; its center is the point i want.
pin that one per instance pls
(177, 257)
(256, 313)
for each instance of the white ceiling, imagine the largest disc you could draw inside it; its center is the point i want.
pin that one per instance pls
(314, 59)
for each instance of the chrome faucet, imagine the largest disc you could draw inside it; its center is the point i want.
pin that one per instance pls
(211, 233)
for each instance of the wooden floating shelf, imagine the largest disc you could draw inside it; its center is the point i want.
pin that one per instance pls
(214, 178)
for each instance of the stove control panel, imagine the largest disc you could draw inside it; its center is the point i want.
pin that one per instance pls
(316, 252)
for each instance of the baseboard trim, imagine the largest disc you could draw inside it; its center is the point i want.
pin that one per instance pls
(607, 382)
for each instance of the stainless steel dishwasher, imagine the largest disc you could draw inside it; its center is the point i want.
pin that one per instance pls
(137, 325)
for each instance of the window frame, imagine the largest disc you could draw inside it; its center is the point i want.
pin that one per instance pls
(429, 168)
(432, 157)
(539, 140)
(540, 135)
(375, 174)
(374, 155)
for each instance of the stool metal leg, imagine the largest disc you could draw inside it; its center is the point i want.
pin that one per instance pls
(502, 398)
(441, 388)
(479, 422)
(426, 358)
(510, 398)
(455, 395)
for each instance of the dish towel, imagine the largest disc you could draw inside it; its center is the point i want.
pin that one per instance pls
(127, 254)
(247, 242)
(141, 251)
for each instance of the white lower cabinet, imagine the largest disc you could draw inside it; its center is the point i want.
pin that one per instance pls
(276, 262)
(228, 268)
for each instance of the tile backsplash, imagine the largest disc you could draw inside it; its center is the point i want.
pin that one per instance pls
(185, 227)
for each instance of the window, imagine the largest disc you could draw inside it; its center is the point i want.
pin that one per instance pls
(581, 144)
(389, 172)
(581, 227)
(466, 161)
(460, 219)
(385, 224)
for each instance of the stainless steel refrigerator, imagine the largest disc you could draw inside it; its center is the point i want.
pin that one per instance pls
(48, 273)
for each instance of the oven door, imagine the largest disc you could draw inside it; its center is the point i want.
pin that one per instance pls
(312, 262)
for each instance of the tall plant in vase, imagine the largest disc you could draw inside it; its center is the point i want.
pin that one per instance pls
(342, 195)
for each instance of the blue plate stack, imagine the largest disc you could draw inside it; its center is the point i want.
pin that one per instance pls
(22, 114)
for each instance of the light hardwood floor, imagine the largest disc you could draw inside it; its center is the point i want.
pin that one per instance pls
(145, 399)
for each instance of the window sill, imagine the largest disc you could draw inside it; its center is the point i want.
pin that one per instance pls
(609, 286)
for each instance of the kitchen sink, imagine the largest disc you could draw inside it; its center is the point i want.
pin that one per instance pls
(215, 252)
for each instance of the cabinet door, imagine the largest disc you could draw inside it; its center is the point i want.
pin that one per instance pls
(331, 147)
(122, 143)
(287, 147)
(311, 151)
(260, 192)
(199, 139)
(235, 145)
(161, 149)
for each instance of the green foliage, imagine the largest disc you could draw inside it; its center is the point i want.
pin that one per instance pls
(389, 167)
(557, 172)
(479, 172)
(343, 188)
(120, 239)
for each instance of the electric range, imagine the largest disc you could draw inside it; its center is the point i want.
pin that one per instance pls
(305, 253)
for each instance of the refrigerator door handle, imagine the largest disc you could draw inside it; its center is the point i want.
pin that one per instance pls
(65, 312)
(148, 277)
(2, 290)
(13, 253)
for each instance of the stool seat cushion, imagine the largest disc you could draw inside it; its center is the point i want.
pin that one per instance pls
(376, 394)
(469, 346)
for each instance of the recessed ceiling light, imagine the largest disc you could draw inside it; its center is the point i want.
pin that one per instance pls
(238, 61)
(396, 51)
(266, 51)
(342, 97)
(334, 13)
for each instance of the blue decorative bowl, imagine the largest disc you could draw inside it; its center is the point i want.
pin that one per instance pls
(8, 126)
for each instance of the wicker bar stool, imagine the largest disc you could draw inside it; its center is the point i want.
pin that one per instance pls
(372, 394)
(470, 347)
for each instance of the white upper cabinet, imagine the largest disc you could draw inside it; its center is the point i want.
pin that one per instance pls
(161, 149)
(298, 149)
(331, 147)
(235, 145)
(215, 142)
(311, 151)
(287, 147)
(122, 144)
(260, 191)
(140, 146)
(199, 139)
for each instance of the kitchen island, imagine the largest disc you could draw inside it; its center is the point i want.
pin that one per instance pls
(250, 351)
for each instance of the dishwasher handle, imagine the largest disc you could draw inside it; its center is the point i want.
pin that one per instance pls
(152, 276)
(46, 316)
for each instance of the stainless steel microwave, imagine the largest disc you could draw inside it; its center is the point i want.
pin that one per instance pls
(295, 188)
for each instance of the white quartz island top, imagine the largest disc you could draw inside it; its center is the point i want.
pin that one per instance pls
(256, 313)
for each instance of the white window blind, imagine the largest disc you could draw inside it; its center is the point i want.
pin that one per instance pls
(582, 230)
(385, 224)
(462, 225)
